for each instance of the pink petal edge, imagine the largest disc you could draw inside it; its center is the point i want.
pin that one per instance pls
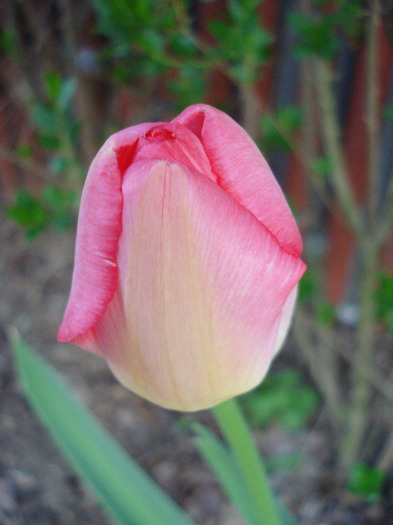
(243, 172)
(95, 275)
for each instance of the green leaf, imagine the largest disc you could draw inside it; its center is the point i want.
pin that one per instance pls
(307, 287)
(29, 212)
(188, 87)
(365, 481)
(58, 164)
(389, 319)
(384, 299)
(289, 117)
(278, 129)
(124, 489)
(53, 83)
(45, 119)
(316, 35)
(66, 93)
(275, 401)
(24, 151)
(388, 113)
(7, 42)
(322, 167)
(61, 205)
(326, 314)
(183, 45)
(272, 138)
(226, 471)
(50, 142)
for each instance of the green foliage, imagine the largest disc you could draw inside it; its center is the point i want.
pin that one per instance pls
(7, 42)
(322, 167)
(229, 474)
(141, 33)
(326, 314)
(60, 205)
(319, 32)
(57, 133)
(388, 113)
(316, 36)
(60, 91)
(365, 481)
(24, 151)
(283, 398)
(36, 213)
(148, 38)
(242, 41)
(29, 212)
(188, 87)
(308, 286)
(58, 130)
(277, 130)
(384, 299)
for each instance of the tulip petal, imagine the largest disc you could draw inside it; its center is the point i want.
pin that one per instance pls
(177, 144)
(99, 226)
(243, 172)
(201, 289)
(285, 319)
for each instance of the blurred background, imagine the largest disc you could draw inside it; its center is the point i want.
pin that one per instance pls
(312, 83)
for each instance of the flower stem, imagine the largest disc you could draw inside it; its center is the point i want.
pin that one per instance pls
(238, 436)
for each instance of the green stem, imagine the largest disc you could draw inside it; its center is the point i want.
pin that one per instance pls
(238, 436)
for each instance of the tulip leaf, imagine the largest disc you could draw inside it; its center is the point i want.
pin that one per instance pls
(228, 473)
(124, 489)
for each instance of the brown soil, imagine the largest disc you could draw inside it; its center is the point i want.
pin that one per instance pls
(36, 485)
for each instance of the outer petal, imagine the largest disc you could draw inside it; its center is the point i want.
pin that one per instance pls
(196, 315)
(177, 144)
(243, 172)
(95, 269)
(285, 319)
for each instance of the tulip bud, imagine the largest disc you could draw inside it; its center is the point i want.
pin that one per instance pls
(187, 261)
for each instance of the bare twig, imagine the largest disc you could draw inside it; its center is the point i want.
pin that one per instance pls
(312, 351)
(330, 128)
(342, 348)
(372, 118)
(251, 109)
(386, 222)
(358, 411)
(32, 166)
(385, 459)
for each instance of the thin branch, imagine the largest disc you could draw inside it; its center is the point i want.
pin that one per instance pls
(332, 138)
(303, 330)
(386, 222)
(303, 156)
(344, 350)
(372, 117)
(29, 165)
(386, 457)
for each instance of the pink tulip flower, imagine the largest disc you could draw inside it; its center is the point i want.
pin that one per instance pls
(187, 261)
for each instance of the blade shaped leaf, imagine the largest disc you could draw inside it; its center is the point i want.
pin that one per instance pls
(124, 489)
(228, 473)
(225, 468)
